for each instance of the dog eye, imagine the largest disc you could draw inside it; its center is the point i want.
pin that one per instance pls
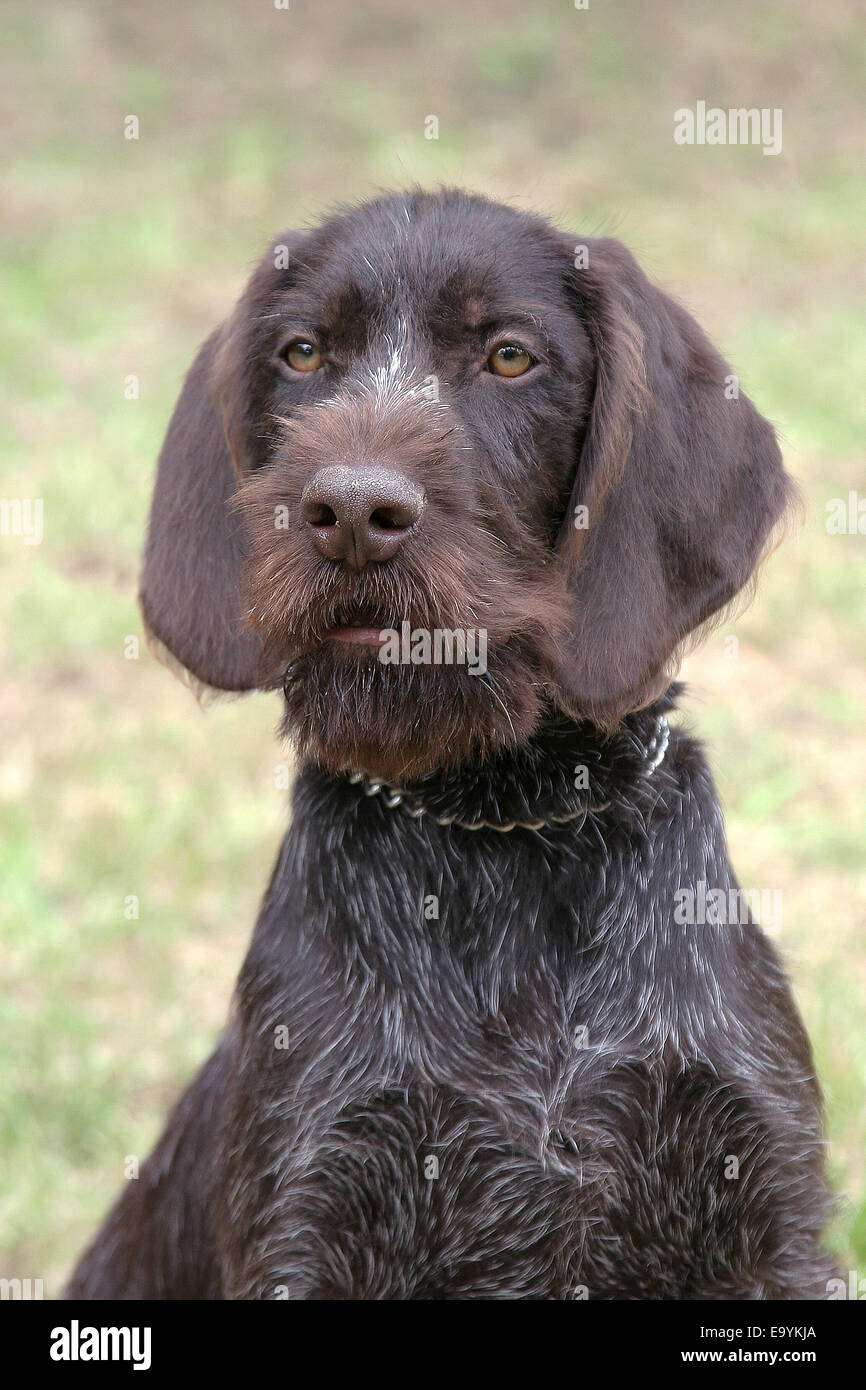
(509, 360)
(302, 356)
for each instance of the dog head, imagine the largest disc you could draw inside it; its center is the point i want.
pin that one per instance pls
(443, 469)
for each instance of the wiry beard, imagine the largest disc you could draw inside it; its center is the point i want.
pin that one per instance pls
(349, 712)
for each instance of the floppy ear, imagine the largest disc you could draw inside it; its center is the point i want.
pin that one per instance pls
(191, 585)
(190, 588)
(682, 484)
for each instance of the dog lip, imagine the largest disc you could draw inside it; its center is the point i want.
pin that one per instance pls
(356, 624)
(355, 633)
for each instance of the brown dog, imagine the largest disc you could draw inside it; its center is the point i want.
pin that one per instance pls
(476, 1049)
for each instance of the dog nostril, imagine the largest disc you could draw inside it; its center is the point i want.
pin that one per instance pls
(319, 514)
(388, 519)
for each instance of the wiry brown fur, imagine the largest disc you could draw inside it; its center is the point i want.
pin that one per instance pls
(399, 721)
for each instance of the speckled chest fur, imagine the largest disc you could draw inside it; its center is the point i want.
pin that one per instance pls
(505, 1070)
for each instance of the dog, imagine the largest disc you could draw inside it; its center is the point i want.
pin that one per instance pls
(462, 487)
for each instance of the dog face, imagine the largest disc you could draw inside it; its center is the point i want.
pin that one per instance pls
(426, 390)
(440, 420)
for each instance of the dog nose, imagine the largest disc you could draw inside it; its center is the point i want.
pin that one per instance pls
(359, 514)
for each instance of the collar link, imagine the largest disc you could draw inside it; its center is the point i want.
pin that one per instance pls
(654, 755)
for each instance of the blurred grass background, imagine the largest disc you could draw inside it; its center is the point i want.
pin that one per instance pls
(119, 256)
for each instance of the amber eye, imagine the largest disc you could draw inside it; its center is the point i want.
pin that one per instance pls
(509, 360)
(302, 356)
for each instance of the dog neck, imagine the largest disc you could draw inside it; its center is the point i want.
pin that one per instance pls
(565, 774)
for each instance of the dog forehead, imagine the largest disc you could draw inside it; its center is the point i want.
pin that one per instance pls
(421, 259)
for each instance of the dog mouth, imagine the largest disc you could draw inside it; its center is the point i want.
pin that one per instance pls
(357, 627)
(355, 634)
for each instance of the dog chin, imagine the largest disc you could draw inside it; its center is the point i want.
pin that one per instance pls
(351, 713)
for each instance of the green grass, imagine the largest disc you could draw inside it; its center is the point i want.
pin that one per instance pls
(118, 256)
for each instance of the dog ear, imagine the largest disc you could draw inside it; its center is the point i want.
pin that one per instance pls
(191, 589)
(678, 488)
